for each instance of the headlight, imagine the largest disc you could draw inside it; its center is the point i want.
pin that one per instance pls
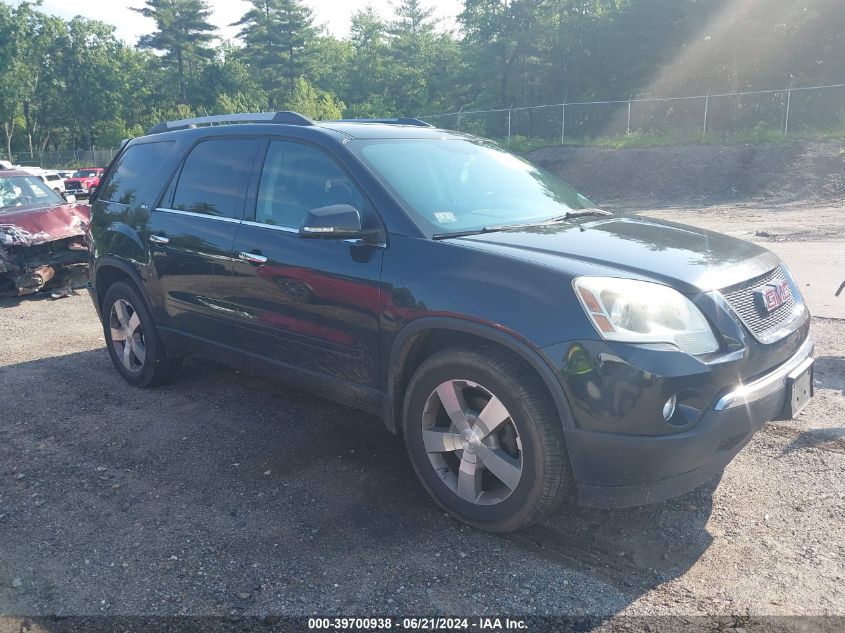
(643, 312)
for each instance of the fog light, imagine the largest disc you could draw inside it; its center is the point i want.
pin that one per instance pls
(669, 408)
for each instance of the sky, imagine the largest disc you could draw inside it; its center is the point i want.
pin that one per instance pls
(334, 14)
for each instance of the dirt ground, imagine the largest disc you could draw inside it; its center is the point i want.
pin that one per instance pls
(224, 494)
(703, 174)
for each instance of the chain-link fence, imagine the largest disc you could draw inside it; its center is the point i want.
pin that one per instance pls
(70, 159)
(767, 113)
(816, 110)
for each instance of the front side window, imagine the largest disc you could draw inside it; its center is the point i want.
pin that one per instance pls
(17, 192)
(137, 174)
(298, 178)
(454, 185)
(215, 177)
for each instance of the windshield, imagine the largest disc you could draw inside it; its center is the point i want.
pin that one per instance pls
(25, 191)
(85, 173)
(458, 185)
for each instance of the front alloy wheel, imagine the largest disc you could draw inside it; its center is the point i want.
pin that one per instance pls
(485, 438)
(472, 442)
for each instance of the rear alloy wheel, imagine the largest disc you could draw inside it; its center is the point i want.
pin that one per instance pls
(133, 343)
(127, 335)
(485, 439)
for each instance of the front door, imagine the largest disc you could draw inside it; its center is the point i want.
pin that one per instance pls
(307, 305)
(192, 233)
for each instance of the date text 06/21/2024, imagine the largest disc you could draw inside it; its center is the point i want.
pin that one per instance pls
(419, 623)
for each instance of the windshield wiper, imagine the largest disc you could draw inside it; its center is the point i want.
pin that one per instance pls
(583, 213)
(569, 215)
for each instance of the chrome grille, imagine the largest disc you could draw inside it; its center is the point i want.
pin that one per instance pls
(741, 298)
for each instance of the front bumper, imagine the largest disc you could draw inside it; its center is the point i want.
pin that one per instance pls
(621, 470)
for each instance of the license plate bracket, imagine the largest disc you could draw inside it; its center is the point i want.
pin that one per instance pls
(799, 390)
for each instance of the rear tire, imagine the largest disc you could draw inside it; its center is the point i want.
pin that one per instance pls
(485, 439)
(132, 340)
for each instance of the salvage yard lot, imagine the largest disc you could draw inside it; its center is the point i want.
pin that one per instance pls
(227, 494)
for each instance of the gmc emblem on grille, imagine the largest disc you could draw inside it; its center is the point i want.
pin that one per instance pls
(772, 296)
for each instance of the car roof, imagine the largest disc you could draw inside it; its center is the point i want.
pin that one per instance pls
(295, 124)
(361, 130)
(8, 173)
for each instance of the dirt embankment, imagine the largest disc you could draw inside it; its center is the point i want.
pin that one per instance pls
(703, 174)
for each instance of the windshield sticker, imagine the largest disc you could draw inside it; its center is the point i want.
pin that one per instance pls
(445, 217)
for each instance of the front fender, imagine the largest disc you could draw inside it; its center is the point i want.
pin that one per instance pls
(408, 335)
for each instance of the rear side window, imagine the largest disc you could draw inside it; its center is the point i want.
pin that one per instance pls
(137, 176)
(215, 178)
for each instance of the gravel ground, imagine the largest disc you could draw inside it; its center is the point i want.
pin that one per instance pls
(224, 494)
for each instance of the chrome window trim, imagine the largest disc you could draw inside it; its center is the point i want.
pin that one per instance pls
(194, 214)
(771, 382)
(292, 231)
(275, 227)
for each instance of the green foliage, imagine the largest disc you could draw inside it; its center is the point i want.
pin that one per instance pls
(72, 84)
(277, 35)
(314, 103)
(183, 32)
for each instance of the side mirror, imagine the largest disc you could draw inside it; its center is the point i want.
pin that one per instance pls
(338, 221)
(69, 198)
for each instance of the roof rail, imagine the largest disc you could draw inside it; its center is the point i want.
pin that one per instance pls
(397, 121)
(284, 118)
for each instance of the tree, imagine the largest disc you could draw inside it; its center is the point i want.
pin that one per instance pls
(11, 85)
(507, 39)
(229, 76)
(91, 46)
(411, 46)
(330, 58)
(367, 73)
(183, 33)
(72, 83)
(277, 35)
(314, 103)
(41, 101)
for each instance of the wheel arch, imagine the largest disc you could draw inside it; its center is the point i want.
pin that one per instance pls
(110, 270)
(422, 337)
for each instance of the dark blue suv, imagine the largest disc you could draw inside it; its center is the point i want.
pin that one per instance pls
(530, 347)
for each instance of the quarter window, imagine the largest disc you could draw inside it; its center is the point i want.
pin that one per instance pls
(215, 178)
(298, 178)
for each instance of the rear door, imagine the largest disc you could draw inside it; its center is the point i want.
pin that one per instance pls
(307, 305)
(191, 235)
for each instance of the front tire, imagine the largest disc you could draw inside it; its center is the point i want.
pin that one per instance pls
(132, 340)
(485, 439)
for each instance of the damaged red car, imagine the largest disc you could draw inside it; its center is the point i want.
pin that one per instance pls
(42, 237)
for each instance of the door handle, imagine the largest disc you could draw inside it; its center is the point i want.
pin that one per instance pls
(252, 258)
(159, 239)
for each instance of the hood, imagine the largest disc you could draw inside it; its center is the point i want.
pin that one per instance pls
(80, 180)
(685, 257)
(28, 227)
